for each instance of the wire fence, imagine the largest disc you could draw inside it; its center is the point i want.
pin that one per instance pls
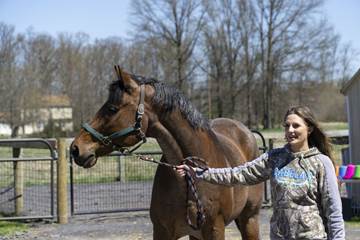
(116, 183)
(26, 183)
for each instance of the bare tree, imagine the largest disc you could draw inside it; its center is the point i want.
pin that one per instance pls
(250, 56)
(215, 59)
(176, 24)
(11, 82)
(39, 61)
(231, 47)
(280, 22)
(222, 42)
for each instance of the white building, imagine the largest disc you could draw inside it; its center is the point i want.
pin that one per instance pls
(351, 90)
(55, 110)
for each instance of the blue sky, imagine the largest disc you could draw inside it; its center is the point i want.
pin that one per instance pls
(104, 18)
(98, 18)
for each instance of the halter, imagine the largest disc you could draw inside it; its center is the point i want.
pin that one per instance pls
(108, 140)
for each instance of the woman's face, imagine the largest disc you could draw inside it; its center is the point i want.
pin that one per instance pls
(296, 132)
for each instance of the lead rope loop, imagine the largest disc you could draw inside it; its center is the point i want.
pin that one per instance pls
(190, 175)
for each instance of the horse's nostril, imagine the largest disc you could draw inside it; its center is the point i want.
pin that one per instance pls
(74, 151)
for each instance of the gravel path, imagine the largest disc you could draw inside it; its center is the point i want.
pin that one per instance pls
(128, 226)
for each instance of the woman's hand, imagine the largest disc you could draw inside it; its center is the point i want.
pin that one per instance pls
(182, 169)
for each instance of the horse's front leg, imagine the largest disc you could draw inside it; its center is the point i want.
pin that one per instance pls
(194, 238)
(214, 230)
(162, 233)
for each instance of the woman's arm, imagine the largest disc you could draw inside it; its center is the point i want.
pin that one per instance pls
(250, 173)
(331, 201)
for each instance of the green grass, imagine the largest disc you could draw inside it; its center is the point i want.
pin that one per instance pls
(10, 228)
(271, 130)
(109, 169)
(334, 125)
(327, 126)
(35, 173)
(150, 145)
(354, 220)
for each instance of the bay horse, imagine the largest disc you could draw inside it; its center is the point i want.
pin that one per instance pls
(162, 112)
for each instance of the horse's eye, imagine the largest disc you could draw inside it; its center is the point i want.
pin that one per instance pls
(113, 108)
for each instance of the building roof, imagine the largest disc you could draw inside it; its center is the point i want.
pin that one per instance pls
(3, 115)
(347, 85)
(56, 101)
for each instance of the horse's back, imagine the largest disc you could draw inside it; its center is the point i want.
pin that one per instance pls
(237, 141)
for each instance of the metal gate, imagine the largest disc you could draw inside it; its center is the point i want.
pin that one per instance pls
(27, 178)
(117, 183)
(267, 190)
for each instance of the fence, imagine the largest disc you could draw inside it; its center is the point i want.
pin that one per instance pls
(117, 183)
(26, 179)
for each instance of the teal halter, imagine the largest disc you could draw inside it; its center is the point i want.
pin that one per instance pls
(108, 140)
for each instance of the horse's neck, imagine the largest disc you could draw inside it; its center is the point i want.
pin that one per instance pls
(170, 148)
(178, 139)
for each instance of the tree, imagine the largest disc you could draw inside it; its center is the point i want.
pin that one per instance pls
(222, 43)
(280, 25)
(11, 82)
(176, 25)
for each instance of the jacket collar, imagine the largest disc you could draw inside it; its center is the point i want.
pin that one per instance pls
(303, 154)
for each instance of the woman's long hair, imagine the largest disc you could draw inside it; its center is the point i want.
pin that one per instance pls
(317, 137)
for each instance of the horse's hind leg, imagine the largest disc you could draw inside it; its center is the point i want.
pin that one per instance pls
(248, 224)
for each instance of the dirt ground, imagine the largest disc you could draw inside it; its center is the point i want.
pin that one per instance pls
(128, 226)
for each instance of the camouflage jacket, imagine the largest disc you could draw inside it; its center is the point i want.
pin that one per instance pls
(304, 192)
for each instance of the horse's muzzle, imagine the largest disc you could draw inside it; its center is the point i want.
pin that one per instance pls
(86, 160)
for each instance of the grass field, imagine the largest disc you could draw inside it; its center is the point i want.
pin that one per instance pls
(10, 228)
(326, 126)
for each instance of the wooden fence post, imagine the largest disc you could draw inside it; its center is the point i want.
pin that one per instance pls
(271, 143)
(121, 169)
(18, 182)
(62, 176)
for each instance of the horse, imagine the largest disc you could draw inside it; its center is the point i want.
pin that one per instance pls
(138, 107)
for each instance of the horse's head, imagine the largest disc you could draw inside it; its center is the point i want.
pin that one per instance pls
(120, 123)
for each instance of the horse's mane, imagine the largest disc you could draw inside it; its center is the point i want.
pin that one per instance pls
(168, 98)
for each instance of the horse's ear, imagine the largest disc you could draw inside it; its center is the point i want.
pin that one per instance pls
(119, 75)
(124, 79)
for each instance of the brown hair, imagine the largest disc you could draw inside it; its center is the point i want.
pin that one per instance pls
(317, 137)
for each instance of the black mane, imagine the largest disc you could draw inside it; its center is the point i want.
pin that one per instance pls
(168, 98)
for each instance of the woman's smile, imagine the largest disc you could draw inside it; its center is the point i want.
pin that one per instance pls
(296, 133)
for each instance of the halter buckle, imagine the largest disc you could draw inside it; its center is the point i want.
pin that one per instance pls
(141, 109)
(106, 141)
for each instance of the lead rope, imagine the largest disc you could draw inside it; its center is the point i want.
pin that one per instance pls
(191, 187)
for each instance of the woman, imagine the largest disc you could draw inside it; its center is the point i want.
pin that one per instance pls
(305, 196)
